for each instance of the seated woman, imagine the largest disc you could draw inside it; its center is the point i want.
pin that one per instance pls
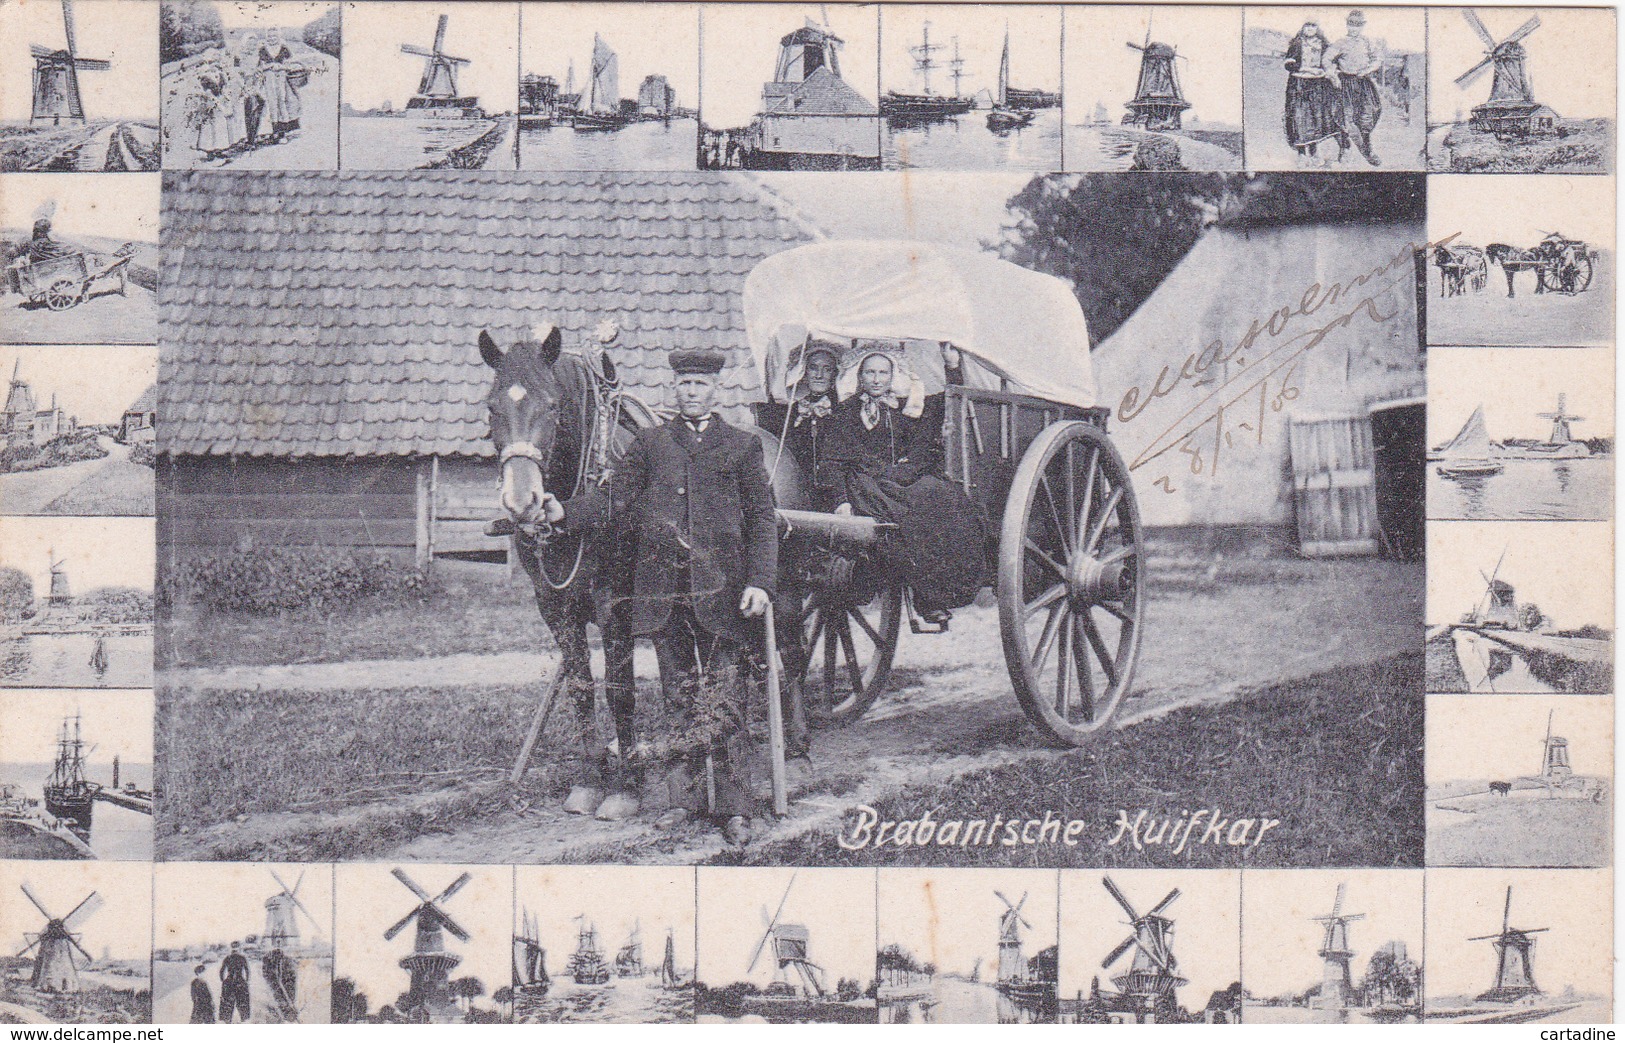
(884, 461)
(804, 424)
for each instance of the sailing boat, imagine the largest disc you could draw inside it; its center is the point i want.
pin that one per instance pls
(530, 960)
(603, 108)
(629, 960)
(668, 964)
(1468, 454)
(67, 793)
(98, 657)
(587, 964)
(898, 106)
(1003, 117)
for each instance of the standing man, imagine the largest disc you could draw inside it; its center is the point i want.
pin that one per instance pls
(1357, 62)
(695, 494)
(234, 985)
(202, 998)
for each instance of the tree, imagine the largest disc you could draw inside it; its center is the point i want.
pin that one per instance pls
(16, 593)
(186, 27)
(467, 989)
(324, 33)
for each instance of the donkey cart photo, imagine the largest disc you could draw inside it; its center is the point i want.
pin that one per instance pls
(1022, 437)
(1560, 264)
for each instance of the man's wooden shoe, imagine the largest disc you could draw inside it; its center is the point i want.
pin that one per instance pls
(583, 800)
(502, 526)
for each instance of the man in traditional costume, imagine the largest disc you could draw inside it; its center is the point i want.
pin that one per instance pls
(695, 495)
(234, 985)
(1358, 61)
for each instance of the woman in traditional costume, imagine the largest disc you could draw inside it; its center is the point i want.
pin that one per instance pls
(209, 108)
(804, 424)
(277, 67)
(1314, 98)
(884, 461)
(250, 107)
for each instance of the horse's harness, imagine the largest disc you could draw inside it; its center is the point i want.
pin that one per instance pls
(601, 409)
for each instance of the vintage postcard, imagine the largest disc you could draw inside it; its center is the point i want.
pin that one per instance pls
(790, 513)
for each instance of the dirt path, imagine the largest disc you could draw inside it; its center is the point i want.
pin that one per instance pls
(1215, 631)
(106, 486)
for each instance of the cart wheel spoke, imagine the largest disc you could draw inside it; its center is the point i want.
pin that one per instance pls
(862, 621)
(1098, 529)
(1046, 599)
(854, 669)
(1043, 556)
(1072, 527)
(1054, 515)
(1086, 681)
(1089, 486)
(1046, 639)
(1116, 610)
(1107, 663)
(1063, 669)
(1120, 554)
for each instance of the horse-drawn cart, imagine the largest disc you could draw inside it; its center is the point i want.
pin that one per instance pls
(1023, 436)
(63, 281)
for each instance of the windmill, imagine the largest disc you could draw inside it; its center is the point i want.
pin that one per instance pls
(1511, 108)
(438, 87)
(429, 962)
(1514, 959)
(55, 967)
(56, 76)
(791, 952)
(1561, 418)
(1149, 984)
(282, 914)
(60, 596)
(1337, 983)
(1158, 103)
(1011, 965)
(1498, 608)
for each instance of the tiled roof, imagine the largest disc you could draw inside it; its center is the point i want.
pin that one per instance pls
(146, 403)
(324, 314)
(819, 94)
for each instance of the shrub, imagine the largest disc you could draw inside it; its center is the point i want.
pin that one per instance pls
(324, 33)
(142, 453)
(16, 593)
(272, 580)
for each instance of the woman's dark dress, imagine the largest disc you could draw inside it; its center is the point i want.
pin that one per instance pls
(893, 473)
(806, 438)
(1314, 108)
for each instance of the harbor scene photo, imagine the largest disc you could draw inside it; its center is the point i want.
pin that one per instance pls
(967, 946)
(1332, 947)
(789, 87)
(1521, 433)
(603, 945)
(258, 950)
(970, 87)
(77, 943)
(1520, 607)
(1519, 946)
(430, 87)
(1521, 260)
(79, 86)
(609, 86)
(76, 602)
(1160, 91)
(76, 775)
(1514, 91)
(1519, 781)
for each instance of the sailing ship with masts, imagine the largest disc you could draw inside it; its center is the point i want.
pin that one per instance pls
(530, 976)
(1468, 455)
(669, 978)
(603, 109)
(68, 794)
(587, 964)
(900, 107)
(629, 959)
(1007, 113)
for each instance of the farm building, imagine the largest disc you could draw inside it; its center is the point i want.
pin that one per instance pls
(1332, 444)
(138, 425)
(322, 383)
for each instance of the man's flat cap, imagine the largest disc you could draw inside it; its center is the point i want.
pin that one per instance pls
(697, 360)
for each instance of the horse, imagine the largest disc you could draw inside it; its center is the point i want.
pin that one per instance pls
(1514, 260)
(1460, 268)
(556, 423)
(1501, 789)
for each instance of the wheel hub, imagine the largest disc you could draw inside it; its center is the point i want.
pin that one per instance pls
(1091, 580)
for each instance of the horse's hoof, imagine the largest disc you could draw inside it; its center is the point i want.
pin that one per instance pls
(617, 806)
(583, 800)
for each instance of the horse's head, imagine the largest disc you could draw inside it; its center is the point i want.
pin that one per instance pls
(1498, 253)
(528, 399)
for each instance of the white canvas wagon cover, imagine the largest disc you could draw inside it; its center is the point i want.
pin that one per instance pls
(1024, 327)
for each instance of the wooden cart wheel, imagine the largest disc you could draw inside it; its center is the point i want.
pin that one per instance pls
(1071, 581)
(847, 652)
(1585, 270)
(63, 294)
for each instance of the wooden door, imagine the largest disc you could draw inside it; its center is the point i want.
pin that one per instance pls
(1334, 486)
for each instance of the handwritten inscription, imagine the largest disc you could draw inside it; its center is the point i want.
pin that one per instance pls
(1266, 361)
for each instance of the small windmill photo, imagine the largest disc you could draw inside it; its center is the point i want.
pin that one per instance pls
(1148, 988)
(794, 972)
(56, 968)
(1158, 103)
(282, 912)
(1514, 959)
(430, 963)
(1511, 110)
(1337, 981)
(438, 87)
(56, 76)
